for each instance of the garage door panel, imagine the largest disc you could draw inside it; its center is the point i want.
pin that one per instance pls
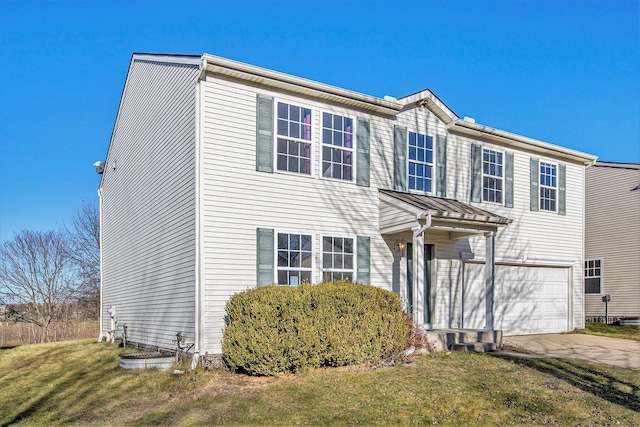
(527, 300)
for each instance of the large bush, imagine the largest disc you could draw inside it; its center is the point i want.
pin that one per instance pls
(275, 329)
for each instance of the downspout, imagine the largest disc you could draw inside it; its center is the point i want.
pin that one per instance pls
(100, 336)
(198, 261)
(418, 249)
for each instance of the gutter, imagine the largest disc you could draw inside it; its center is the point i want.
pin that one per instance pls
(514, 140)
(282, 81)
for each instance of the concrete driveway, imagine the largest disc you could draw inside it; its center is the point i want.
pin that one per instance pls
(608, 351)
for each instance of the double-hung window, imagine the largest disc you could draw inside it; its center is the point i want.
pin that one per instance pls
(592, 276)
(295, 255)
(294, 138)
(337, 258)
(492, 176)
(337, 146)
(420, 161)
(548, 186)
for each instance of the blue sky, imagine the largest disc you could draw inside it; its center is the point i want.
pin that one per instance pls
(564, 72)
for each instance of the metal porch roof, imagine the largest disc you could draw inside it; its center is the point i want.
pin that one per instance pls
(440, 207)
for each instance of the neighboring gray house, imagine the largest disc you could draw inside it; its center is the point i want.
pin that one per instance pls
(223, 176)
(612, 240)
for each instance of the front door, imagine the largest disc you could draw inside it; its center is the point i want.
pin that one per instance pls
(428, 289)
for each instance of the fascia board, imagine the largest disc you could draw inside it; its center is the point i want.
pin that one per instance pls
(168, 58)
(428, 99)
(518, 141)
(275, 79)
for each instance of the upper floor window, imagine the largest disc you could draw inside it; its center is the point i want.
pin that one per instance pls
(548, 186)
(420, 162)
(337, 146)
(492, 176)
(294, 138)
(337, 258)
(592, 276)
(294, 258)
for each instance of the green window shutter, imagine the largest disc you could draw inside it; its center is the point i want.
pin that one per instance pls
(441, 166)
(363, 262)
(265, 257)
(508, 180)
(400, 158)
(562, 190)
(535, 177)
(363, 161)
(476, 173)
(264, 133)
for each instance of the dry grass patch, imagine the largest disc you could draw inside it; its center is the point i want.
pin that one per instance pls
(611, 331)
(80, 383)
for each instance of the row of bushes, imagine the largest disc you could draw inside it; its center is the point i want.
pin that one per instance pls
(276, 329)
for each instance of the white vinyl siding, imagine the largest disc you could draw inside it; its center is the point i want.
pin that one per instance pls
(236, 199)
(148, 206)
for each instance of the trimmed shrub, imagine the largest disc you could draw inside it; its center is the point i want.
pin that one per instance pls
(276, 329)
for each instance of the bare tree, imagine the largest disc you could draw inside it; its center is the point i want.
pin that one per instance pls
(84, 236)
(38, 280)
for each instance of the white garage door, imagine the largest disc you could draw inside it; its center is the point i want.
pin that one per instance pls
(527, 300)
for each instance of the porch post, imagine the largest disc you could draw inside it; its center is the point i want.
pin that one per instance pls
(418, 277)
(489, 278)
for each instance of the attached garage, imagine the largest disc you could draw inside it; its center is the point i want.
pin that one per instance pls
(527, 299)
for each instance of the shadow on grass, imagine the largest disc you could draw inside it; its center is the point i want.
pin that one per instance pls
(591, 378)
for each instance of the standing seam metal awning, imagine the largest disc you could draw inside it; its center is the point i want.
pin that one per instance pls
(461, 219)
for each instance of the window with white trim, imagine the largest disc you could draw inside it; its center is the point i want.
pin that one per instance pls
(295, 258)
(337, 258)
(592, 276)
(548, 186)
(293, 145)
(420, 162)
(337, 146)
(492, 175)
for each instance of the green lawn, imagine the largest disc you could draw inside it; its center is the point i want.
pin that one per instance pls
(79, 382)
(613, 331)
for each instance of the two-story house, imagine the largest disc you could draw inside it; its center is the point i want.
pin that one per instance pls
(612, 241)
(223, 176)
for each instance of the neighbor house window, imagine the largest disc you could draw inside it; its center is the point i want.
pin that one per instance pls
(294, 138)
(420, 162)
(337, 146)
(492, 176)
(548, 186)
(294, 258)
(592, 276)
(337, 258)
